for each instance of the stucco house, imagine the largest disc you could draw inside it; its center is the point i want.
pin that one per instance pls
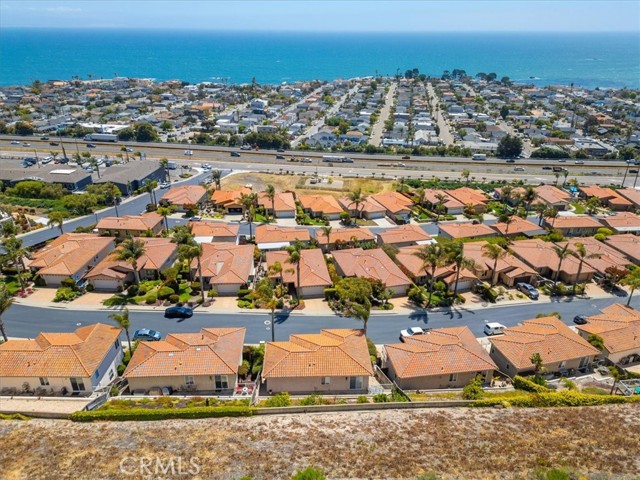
(74, 363)
(439, 358)
(559, 347)
(314, 275)
(130, 225)
(185, 195)
(71, 255)
(225, 267)
(214, 232)
(284, 204)
(207, 361)
(334, 361)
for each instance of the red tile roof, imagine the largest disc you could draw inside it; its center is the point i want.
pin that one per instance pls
(313, 268)
(226, 263)
(375, 264)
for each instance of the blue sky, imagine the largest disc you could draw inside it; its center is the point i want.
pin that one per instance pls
(336, 15)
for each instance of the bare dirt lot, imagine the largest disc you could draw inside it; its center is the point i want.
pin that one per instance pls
(259, 181)
(455, 443)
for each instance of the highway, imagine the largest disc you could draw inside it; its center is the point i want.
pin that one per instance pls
(28, 321)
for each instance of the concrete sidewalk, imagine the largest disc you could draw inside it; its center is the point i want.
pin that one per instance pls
(314, 307)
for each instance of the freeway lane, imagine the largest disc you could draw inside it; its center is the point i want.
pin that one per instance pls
(27, 321)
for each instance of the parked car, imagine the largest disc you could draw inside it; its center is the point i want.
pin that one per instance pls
(91, 145)
(580, 320)
(146, 335)
(178, 312)
(529, 290)
(165, 185)
(235, 154)
(493, 328)
(411, 331)
(195, 218)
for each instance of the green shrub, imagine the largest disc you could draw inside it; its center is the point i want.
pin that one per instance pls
(363, 399)
(522, 383)
(569, 384)
(309, 473)
(311, 400)
(145, 414)
(473, 390)
(415, 295)
(89, 288)
(64, 294)
(142, 290)
(174, 298)
(595, 391)
(195, 286)
(380, 398)
(13, 416)
(281, 399)
(165, 292)
(330, 294)
(565, 398)
(245, 304)
(134, 289)
(398, 396)
(151, 299)
(68, 283)
(121, 368)
(243, 292)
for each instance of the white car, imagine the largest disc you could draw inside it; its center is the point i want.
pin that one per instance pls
(411, 331)
(26, 144)
(164, 185)
(188, 152)
(15, 142)
(579, 162)
(245, 147)
(128, 149)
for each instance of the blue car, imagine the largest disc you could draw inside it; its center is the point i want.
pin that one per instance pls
(146, 335)
(178, 312)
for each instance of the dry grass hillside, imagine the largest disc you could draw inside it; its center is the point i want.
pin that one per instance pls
(259, 181)
(456, 443)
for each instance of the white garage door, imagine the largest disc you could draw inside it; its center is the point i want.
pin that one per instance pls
(105, 285)
(464, 285)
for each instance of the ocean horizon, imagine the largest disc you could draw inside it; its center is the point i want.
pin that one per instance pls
(590, 60)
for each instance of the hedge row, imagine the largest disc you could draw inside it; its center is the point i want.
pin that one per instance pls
(521, 383)
(565, 398)
(144, 414)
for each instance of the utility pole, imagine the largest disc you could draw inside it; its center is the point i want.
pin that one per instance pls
(625, 174)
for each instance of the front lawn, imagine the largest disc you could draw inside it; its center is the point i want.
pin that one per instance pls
(12, 283)
(579, 207)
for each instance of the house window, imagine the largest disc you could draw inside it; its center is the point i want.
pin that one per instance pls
(507, 366)
(97, 373)
(111, 374)
(77, 384)
(325, 380)
(355, 383)
(117, 344)
(221, 382)
(453, 377)
(189, 380)
(44, 381)
(562, 364)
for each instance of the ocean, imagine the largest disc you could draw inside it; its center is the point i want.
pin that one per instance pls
(585, 59)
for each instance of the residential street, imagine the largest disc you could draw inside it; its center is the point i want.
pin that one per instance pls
(378, 129)
(25, 321)
(445, 133)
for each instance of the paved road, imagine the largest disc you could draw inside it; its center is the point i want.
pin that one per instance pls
(131, 206)
(26, 321)
(445, 133)
(377, 130)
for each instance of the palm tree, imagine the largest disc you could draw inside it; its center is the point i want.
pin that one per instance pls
(562, 253)
(248, 202)
(505, 194)
(465, 174)
(13, 251)
(551, 213)
(165, 212)
(493, 252)
(294, 259)
(164, 163)
(150, 186)
(536, 361)
(615, 374)
(361, 311)
(5, 302)
(216, 176)
(456, 256)
(356, 198)
(530, 195)
(507, 219)
(122, 319)
(557, 175)
(442, 198)
(189, 252)
(182, 235)
(327, 233)
(130, 251)
(57, 218)
(580, 253)
(270, 192)
(632, 280)
(276, 269)
(540, 209)
(565, 173)
(432, 256)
